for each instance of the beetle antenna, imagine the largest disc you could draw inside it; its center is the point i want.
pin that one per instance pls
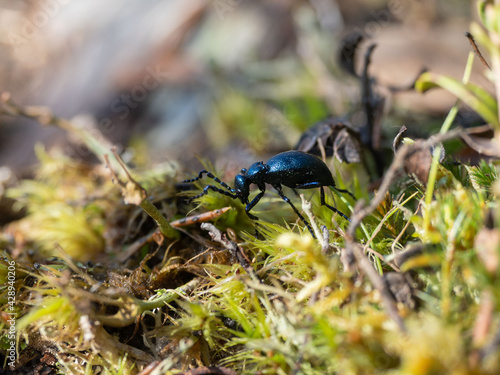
(210, 175)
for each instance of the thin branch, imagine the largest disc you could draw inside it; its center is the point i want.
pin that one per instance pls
(233, 248)
(361, 211)
(307, 207)
(134, 193)
(476, 49)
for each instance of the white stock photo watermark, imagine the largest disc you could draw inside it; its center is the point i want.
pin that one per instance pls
(223, 7)
(32, 24)
(127, 101)
(122, 105)
(382, 18)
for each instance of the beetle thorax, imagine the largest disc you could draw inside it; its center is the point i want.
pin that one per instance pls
(257, 173)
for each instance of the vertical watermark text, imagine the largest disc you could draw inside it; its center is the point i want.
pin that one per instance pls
(10, 314)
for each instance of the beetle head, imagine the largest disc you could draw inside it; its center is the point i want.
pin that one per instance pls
(242, 188)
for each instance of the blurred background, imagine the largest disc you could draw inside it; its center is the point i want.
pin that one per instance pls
(230, 80)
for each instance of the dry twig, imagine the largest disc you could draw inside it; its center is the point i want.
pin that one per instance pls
(233, 248)
(361, 211)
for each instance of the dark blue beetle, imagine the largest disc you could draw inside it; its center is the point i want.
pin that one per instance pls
(294, 169)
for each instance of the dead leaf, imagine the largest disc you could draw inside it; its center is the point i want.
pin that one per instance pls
(484, 146)
(487, 244)
(400, 285)
(418, 163)
(332, 137)
(347, 147)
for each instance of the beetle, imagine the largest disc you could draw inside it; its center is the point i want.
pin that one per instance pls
(294, 169)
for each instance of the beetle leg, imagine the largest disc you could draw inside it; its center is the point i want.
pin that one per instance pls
(214, 188)
(287, 200)
(343, 191)
(210, 175)
(252, 204)
(323, 203)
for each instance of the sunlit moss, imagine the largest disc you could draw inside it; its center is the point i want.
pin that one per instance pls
(277, 301)
(63, 210)
(455, 216)
(433, 347)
